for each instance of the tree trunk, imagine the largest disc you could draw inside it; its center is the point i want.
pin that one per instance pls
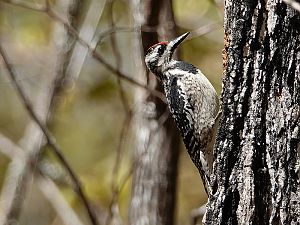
(256, 170)
(157, 144)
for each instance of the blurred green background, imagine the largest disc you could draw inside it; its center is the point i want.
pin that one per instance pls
(88, 118)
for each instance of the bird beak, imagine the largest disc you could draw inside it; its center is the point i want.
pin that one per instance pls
(176, 42)
(167, 56)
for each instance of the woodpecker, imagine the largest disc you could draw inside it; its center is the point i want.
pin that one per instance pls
(192, 100)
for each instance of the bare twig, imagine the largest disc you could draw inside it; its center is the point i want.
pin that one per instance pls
(66, 47)
(48, 135)
(114, 217)
(294, 4)
(54, 196)
(26, 5)
(203, 30)
(8, 148)
(98, 57)
(87, 32)
(118, 58)
(47, 186)
(49, 11)
(18, 173)
(117, 29)
(122, 139)
(115, 186)
(25, 100)
(92, 51)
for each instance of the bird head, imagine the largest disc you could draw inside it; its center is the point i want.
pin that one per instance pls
(160, 54)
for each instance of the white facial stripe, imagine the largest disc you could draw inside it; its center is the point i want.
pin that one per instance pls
(153, 58)
(153, 55)
(177, 72)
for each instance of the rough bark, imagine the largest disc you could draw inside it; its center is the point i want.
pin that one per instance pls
(256, 170)
(157, 144)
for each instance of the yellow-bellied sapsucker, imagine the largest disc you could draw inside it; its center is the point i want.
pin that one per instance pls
(192, 100)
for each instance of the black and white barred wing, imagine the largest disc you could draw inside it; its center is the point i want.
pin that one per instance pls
(185, 105)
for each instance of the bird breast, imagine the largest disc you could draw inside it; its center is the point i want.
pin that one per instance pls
(192, 99)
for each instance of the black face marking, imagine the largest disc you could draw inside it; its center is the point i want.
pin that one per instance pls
(153, 56)
(185, 66)
(160, 50)
(175, 96)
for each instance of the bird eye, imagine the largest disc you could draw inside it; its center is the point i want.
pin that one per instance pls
(161, 49)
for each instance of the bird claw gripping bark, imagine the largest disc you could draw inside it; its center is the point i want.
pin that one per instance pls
(192, 100)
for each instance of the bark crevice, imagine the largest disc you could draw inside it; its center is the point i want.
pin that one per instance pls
(257, 146)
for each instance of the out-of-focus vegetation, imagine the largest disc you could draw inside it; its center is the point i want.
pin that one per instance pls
(87, 121)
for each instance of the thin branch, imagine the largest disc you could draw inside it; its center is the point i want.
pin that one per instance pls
(48, 135)
(117, 29)
(25, 100)
(118, 58)
(203, 30)
(48, 10)
(26, 5)
(293, 3)
(13, 151)
(10, 149)
(92, 51)
(66, 48)
(87, 32)
(114, 212)
(48, 187)
(18, 172)
(54, 196)
(99, 58)
(115, 186)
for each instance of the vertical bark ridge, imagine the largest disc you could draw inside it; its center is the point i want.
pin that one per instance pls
(257, 148)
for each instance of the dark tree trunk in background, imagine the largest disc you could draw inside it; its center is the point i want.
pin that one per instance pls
(157, 139)
(256, 173)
